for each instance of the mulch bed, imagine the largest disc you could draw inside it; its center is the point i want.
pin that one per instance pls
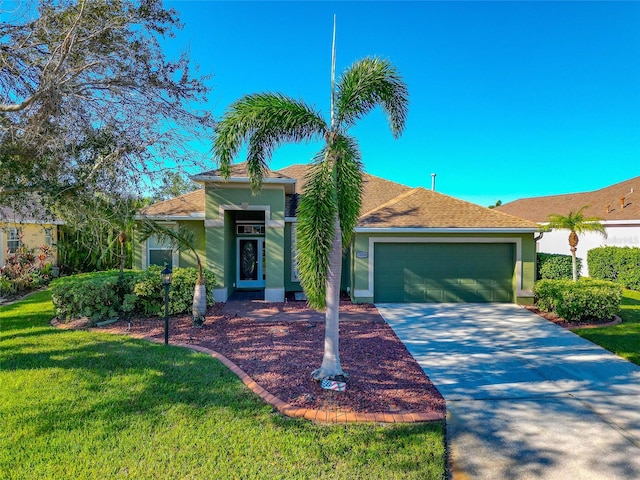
(280, 356)
(553, 317)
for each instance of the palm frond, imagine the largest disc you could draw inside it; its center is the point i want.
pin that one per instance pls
(183, 238)
(368, 83)
(263, 121)
(315, 228)
(349, 176)
(576, 222)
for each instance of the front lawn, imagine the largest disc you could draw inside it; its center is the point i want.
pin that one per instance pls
(84, 405)
(623, 339)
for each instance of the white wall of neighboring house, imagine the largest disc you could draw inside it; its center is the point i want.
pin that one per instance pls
(619, 234)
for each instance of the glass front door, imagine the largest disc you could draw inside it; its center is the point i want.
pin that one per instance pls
(250, 266)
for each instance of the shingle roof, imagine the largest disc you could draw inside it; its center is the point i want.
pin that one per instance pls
(385, 204)
(614, 203)
(240, 170)
(420, 208)
(376, 190)
(184, 205)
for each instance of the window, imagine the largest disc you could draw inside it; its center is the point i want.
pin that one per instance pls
(246, 229)
(48, 236)
(13, 242)
(159, 253)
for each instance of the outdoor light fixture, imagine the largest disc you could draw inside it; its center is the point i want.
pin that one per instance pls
(166, 281)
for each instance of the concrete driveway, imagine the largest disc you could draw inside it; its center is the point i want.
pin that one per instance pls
(526, 399)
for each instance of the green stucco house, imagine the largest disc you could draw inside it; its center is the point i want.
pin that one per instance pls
(411, 244)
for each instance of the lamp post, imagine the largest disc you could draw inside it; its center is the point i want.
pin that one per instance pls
(166, 281)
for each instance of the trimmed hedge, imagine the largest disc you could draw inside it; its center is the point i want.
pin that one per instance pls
(586, 300)
(556, 266)
(616, 264)
(100, 296)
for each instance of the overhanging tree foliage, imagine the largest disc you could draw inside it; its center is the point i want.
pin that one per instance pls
(87, 96)
(330, 205)
(98, 231)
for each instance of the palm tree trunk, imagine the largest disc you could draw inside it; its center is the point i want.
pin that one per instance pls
(331, 367)
(199, 308)
(573, 243)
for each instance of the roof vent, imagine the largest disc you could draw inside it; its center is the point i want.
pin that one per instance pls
(621, 202)
(433, 182)
(608, 208)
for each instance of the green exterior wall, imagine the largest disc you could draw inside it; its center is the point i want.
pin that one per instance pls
(186, 258)
(289, 284)
(216, 243)
(238, 204)
(274, 245)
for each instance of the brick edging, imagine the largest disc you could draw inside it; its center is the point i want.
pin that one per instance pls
(309, 414)
(297, 412)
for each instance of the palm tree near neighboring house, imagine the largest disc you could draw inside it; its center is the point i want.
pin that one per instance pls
(330, 206)
(576, 223)
(183, 238)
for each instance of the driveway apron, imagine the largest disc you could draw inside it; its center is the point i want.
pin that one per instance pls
(526, 399)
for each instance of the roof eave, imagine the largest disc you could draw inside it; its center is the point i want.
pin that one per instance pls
(217, 178)
(192, 216)
(445, 230)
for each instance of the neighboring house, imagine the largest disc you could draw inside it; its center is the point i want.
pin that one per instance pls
(618, 207)
(20, 227)
(411, 244)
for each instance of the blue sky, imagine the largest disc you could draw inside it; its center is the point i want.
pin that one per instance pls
(507, 99)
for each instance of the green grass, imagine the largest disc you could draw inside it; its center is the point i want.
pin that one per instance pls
(623, 339)
(84, 405)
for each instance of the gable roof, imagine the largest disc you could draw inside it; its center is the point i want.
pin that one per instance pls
(617, 202)
(376, 190)
(385, 204)
(421, 208)
(240, 170)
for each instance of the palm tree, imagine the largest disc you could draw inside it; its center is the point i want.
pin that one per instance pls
(576, 223)
(183, 238)
(330, 206)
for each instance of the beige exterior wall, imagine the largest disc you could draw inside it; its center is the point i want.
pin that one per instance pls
(33, 236)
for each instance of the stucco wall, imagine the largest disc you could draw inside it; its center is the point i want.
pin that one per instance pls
(33, 236)
(557, 241)
(227, 204)
(186, 258)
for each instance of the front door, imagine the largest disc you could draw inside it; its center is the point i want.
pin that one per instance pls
(250, 266)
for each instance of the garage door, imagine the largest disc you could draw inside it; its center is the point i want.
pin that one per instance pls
(444, 272)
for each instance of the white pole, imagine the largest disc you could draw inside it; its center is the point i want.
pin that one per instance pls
(333, 75)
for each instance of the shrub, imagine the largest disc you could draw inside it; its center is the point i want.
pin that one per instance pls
(96, 295)
(150, 291)
(586, 300)
(618, 264)
(25, 270)
(555, 266)
(101, 295)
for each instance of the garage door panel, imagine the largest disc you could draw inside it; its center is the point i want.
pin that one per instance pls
(443, 272)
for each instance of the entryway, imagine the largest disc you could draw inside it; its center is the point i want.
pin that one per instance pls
(250, 262)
